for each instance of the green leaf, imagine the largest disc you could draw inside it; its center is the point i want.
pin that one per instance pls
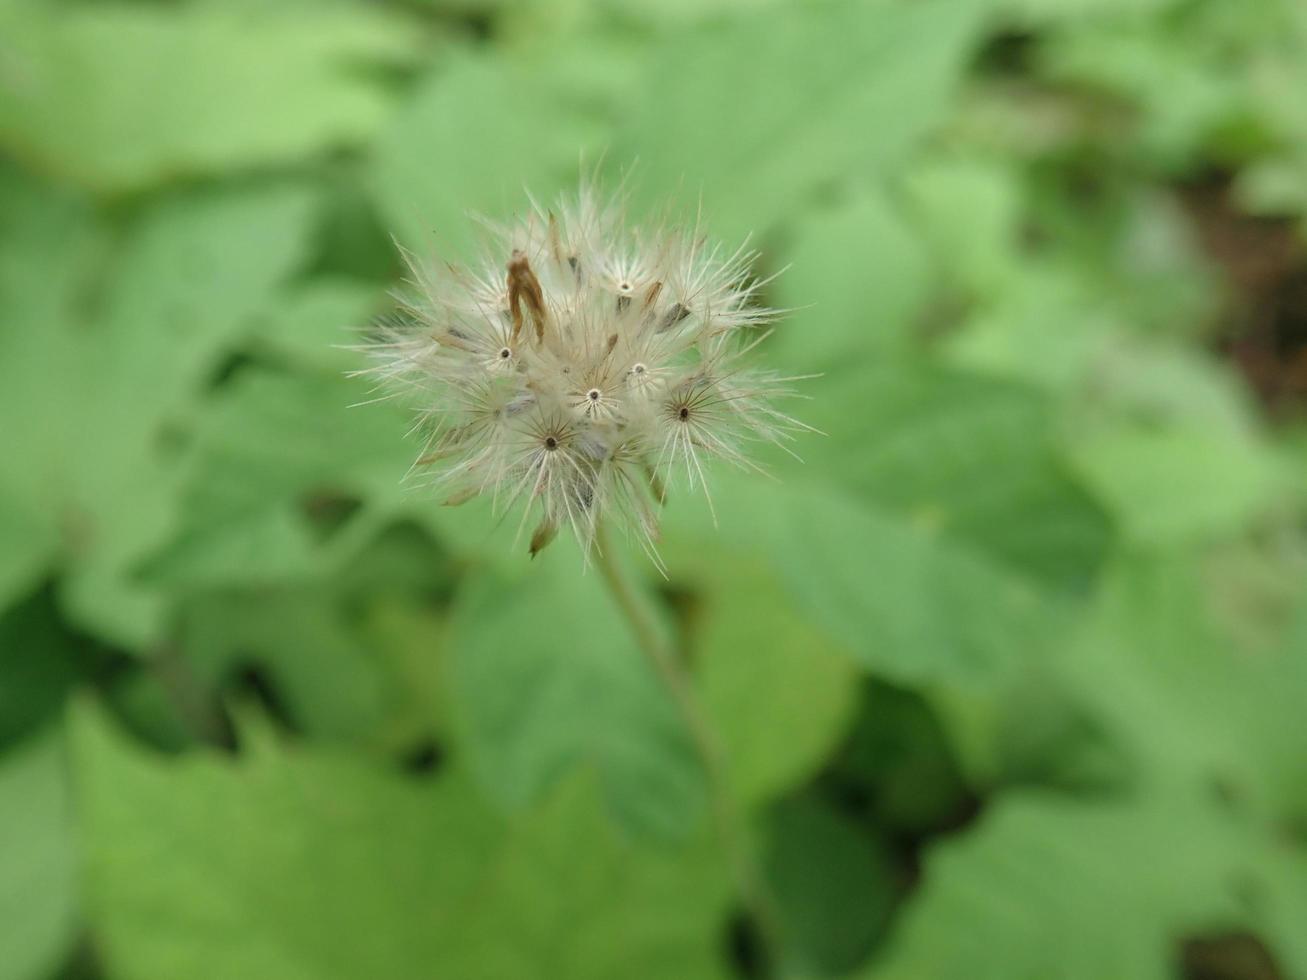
(1167, 71)
(28, 546)
(898, 760)
(353, 653)
(271, 447)
(1043, 12)
(38, 861)
(971, 459)
(969, 212)
(38, 665)
(272, 437)
(330, 681)
(758, 113)
(1188, 706)
(1228, 480)
(311, 323)
(545, 675)
(1047, 886)
(903, 599)
(120, 97)
(270, 547)
(108, 374)
(834, 884)
(857, 278)
(474, 139)
(327, 869)
(1207, 735)
(1010, 338)
(779, 695)
(1274, 186)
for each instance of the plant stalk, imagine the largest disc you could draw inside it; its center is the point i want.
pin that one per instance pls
(749, 881)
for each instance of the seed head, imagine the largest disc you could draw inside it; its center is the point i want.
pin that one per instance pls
(586, 367)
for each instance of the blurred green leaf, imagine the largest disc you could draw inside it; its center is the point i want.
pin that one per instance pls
(857, 280)
(1048, 886)
(758, 113)
(903, 599)
(38, 665)
(681, 13)
(119, 97)
(834, 884)
(1227, 482)
(268, 449)
(108, 373)
(310, 323)
(410, 642)
(269, 547)
(271, 437)
(1275, 187)
(1188, 706)
(1012, 336)
(356, 656)
(546, 675)
(329, 680)
(324, 867)
(45, 239)
(1166, 61)
(1053, 11)
(273, 448)
(776, 690)
(28, 546)
(1277, 182)
(969, 210)
(972, 460)
(1030, 730)
(473, 138)
(898, 760)
(38, 859)
(1208, 844)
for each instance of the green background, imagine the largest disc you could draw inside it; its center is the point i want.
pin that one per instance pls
(1010, 671)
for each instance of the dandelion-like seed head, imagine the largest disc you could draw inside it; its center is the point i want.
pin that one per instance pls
(584, 369)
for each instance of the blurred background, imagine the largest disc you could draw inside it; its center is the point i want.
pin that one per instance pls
(1009, 673)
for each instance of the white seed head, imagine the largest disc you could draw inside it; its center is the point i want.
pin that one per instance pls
(584, 369)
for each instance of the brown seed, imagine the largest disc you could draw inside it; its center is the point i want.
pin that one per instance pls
(673, 316)
(462, 497)
(555, 242)
(544, 534)
(452, 338)
(524, 290)
(651, 294)
(447, 445)
(656, 485)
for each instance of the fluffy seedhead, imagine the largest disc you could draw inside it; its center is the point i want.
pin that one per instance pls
(583, 369)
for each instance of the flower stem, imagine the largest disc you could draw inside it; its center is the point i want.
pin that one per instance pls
(749, 881)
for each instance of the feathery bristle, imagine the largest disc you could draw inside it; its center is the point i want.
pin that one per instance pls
(584, 369)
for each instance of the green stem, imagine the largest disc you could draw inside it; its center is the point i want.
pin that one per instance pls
(749, 881)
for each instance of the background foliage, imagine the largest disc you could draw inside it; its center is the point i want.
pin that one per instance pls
(1010, 672)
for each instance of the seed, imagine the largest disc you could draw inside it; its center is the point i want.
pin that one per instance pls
(673, 316)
